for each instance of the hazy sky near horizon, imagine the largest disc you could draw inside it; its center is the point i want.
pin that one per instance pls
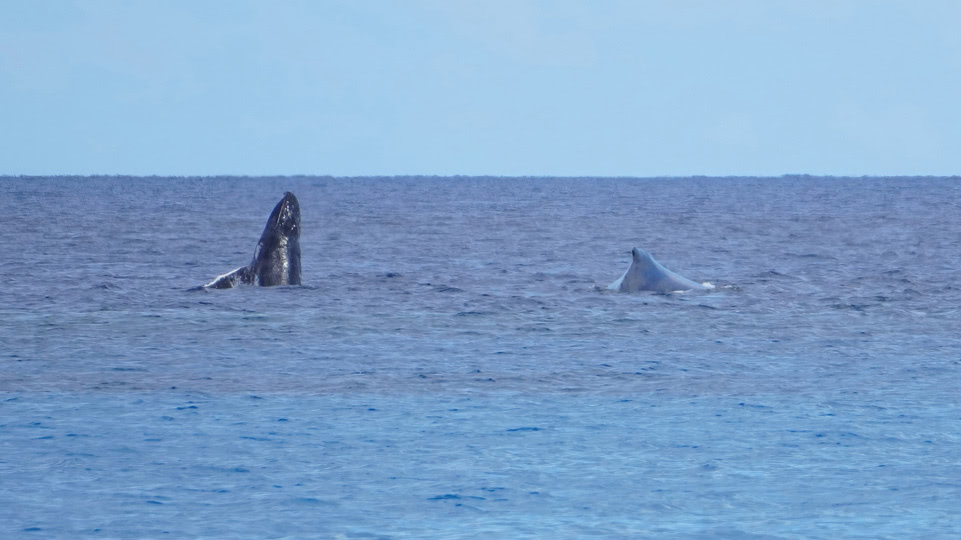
(492, 87)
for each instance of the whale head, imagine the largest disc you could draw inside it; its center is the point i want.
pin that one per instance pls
(285, 219)
(276, 260)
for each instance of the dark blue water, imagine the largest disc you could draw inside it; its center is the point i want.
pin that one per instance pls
(454, 366)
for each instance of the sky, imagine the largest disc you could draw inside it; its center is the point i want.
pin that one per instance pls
(493, 87)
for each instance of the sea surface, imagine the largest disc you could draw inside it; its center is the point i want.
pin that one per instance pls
(455, 367)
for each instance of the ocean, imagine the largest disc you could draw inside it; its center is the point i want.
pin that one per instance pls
(454, 365)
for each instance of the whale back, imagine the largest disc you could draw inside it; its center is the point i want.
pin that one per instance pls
(646, 274)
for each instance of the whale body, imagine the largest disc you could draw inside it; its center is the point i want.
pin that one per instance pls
(277, 257)
(646, 274)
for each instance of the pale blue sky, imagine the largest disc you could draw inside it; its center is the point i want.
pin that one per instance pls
(498, 87)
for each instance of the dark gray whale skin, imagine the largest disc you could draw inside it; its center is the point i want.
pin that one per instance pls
(277, 258)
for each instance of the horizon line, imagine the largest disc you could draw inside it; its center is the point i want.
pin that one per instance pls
(503, 176)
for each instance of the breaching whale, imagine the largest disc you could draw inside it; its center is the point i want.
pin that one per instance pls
(277, 258)
(646, 274)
